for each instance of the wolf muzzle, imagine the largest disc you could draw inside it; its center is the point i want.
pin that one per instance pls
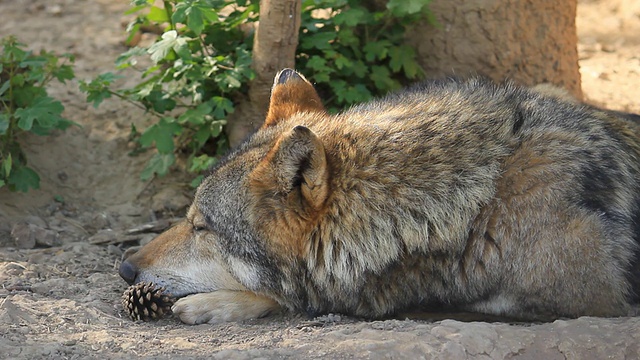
(128, 271)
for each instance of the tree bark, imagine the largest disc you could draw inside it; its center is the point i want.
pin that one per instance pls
(529, 41)
(274, 48)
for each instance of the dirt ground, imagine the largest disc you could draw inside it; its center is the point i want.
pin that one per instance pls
(60, 294)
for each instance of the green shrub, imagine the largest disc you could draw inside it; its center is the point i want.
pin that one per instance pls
(201, 64)
(26, 107)
(357, 52)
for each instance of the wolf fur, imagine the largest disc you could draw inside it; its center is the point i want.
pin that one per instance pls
(458, 193)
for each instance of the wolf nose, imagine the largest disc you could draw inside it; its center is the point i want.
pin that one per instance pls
(128, 272)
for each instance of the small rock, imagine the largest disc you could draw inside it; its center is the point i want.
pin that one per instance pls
(104, 237)
(27, 235)
(35, 220)
(45, 237)
(114, 250)
(54, 9)
(604, 76)
(609, 48)
(23, 236)
(99, 222)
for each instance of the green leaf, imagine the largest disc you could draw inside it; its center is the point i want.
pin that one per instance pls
(202, 162)
(357, 93)
(349, 39)
(18, 80)
(317, 63)
(401, 8)
(221, 107)
(321, 78)
(158, 164)
(381, 78)
(403, 57)
(170, 41)
(136, 8)
(64, 72)
(98, 89)
(2, 183)
(45, 110)
(159, 101)
(202, 135)
(158, 15)
(162, 134)
(339, 88)
(12, 50)
(343, 62)
(23, 178)
(320, 40)
(194, 183)
(4, 86)
(96, 97)
(360, 69)
(141, 2)
(196, 116)
(33, 62)
(198, 15)
(180, 13)
(352, 17)
(6, 166)
(124, 60)
(216, 127)
(4, 123)
(230, 81)
(376, 50)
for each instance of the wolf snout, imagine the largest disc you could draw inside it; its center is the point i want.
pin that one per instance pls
(128, 271)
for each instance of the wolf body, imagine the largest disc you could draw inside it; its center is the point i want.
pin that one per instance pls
(459, 193)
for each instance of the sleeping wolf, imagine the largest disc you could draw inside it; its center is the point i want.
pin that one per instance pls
(458, 194)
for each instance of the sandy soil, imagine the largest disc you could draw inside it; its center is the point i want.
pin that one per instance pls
(60, 295)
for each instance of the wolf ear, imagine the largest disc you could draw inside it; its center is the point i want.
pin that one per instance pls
(291, 93)
(296, 163)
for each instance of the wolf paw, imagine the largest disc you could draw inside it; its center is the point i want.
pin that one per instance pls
(223, 306)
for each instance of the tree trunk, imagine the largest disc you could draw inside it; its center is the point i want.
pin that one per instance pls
(529, 41)
(274, 48)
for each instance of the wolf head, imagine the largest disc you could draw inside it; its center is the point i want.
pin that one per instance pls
(250, 214)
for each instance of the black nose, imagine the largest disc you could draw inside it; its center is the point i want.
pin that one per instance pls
(128, 272)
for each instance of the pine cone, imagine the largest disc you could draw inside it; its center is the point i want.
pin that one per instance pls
(146, 301)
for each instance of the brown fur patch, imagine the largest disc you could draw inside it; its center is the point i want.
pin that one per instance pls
(163, 245)
(294, 96)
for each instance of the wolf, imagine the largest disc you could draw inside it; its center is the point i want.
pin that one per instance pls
(456, 194)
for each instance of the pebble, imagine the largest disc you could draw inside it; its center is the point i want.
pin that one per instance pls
(114, 250)
(23, 236)
(28, 236)
(98, 222)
